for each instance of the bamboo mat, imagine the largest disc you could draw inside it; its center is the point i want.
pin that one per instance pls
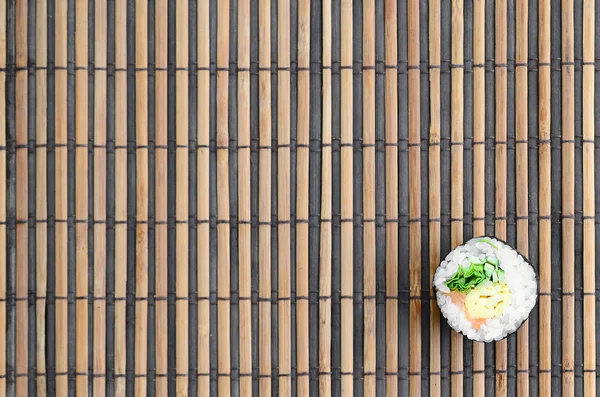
(249, 197)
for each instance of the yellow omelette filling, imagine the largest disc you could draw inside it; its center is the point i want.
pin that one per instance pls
(488, 300)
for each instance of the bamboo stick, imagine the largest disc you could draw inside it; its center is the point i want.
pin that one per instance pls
(544, 220)
(264, 182)
(500, 176)
(22, 251)
(161, 171)
(182, 213)
(434, 192)
(284, 199)
(223, 196)
(244, 209)
(478, 164)
(456, 211)
(41, 211)
(81, 198)
(568, 207)
(326, 202)
(589, 237)
(61, 197)
(347, 193)
(391, 197)
(414, 158)
(100, 99)
(522, 180)
(3, 246)
(369, 280)
(141, 227)
(302, 319)
(120, 198)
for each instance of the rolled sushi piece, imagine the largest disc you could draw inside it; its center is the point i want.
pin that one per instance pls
(485, 289)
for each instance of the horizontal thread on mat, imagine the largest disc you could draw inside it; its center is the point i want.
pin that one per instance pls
(402, 66)
(380, 144)
(314, 373)
(314, 144)
(314, 220)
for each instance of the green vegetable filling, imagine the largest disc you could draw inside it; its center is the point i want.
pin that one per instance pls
(476, 273)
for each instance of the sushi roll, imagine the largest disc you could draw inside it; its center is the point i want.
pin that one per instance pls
(485, 289)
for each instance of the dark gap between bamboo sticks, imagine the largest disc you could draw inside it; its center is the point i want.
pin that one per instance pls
(568, 205)
(3, 207)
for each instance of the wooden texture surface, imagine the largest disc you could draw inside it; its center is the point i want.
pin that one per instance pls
(251, 197)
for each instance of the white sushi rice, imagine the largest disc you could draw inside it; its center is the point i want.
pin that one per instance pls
(520, 278)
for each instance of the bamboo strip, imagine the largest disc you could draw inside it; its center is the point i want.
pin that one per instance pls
(100, 99)
(457, 175)
(369, 279)
(414, 158)
(203, 204)
(223, 196)
(120, 348)
(161, 172)
(244, 199)
(478, 165)
(456, 211)
(326, 202)
(284, 199)
(589, 237)
(61, 197)
(81, 198)
(434, 192)
(22, 251)
(522, 184)
(500, 176)
(391, 198)
(302, 319)
(347, 194)
(41, 211)
(568, 207)
(264, 182)
(3, 246)
(181, 212)
(141, 169)
(544, 220)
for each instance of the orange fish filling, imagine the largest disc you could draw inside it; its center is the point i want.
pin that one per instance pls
(458, 298)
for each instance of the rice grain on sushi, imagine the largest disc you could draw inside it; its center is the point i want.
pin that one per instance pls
(485, 289)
